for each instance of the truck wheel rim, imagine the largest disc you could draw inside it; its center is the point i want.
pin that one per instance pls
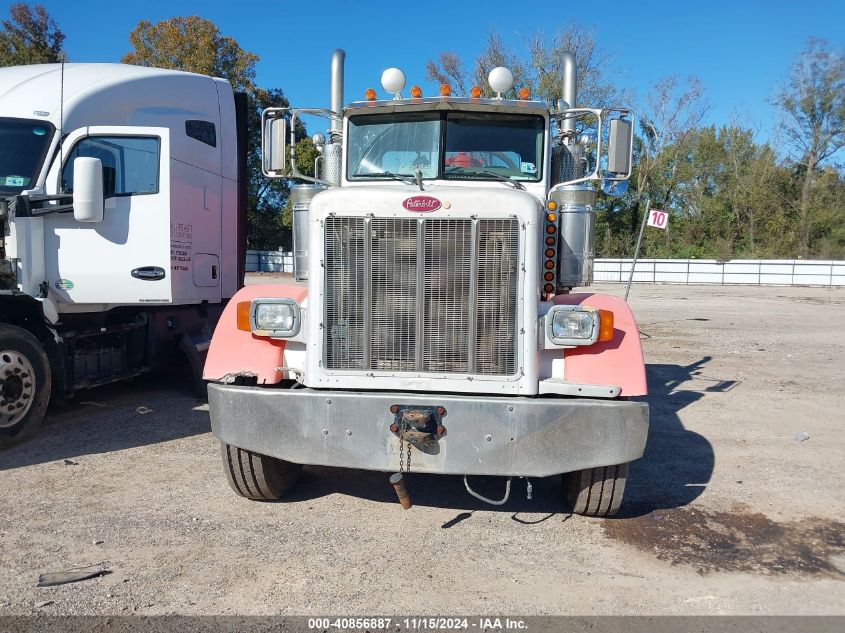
(17, 387)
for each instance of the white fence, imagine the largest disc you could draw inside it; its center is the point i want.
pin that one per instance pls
(754, 272)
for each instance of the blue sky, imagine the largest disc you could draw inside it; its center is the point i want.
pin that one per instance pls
(741, 50)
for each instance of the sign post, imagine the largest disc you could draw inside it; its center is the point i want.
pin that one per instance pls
(653, 217)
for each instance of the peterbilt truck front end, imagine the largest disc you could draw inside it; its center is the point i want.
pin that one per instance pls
(436, 332)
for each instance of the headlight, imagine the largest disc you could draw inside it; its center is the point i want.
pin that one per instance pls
(275, 317)
(572, 325)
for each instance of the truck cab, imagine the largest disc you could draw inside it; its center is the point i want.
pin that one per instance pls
(121, 207)
(438, 246)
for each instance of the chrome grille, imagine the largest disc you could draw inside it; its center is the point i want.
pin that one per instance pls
(426, 295)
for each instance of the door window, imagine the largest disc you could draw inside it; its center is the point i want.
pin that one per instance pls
(130, 163)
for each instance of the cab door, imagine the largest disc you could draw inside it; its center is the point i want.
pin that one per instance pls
(125, 259)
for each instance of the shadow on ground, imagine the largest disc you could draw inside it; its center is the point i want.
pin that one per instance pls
(678, 463)
(147, 410)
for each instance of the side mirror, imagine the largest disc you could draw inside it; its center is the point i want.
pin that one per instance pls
(620, 147)
(273, 138)
(88, 193)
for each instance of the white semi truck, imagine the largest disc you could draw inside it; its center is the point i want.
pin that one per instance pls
(435, 328)
(122, 195)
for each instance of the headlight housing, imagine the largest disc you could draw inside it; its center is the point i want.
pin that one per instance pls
(279, 318)
(568, 325)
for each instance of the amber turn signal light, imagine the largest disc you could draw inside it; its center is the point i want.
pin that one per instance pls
(605, 325)
(549, 276)
(243, 315)
(551, 205)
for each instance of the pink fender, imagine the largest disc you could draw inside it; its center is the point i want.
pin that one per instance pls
(233, 351)
(618, 362)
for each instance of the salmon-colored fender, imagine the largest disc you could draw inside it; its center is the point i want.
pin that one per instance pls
(235, 352)
(618, 362)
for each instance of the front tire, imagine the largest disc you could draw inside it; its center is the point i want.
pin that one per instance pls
(25, 383)
(596, 492)
(258, 477)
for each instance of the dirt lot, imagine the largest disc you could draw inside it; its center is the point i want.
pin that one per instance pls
(727, 512)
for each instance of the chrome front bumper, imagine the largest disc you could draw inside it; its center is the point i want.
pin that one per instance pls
(485, 435)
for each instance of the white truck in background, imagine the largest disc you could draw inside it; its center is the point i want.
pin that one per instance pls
(122, 226)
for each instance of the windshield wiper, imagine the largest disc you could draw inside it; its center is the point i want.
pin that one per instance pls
(463, 171)
(502, 178)
(408, 178)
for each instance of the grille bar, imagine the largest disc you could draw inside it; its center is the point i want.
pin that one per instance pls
(426, 295)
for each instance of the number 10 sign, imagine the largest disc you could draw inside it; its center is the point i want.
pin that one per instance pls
(658, 218)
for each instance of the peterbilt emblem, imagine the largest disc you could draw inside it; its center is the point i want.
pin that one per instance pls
(421, 204)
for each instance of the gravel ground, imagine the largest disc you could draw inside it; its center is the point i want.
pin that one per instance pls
(734, 509)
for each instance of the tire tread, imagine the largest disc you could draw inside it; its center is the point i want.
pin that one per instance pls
(596, 492)
(258, 477)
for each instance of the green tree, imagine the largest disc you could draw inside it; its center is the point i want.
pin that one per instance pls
(29, 36)
(193, 44)
(813, 107)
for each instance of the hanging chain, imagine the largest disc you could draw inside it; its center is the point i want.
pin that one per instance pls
(401, 452)
(403, 426)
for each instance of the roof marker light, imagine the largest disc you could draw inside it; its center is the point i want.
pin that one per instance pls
(500, 80)
(416, 92)
(393, 80)
(445, 90)
(524, 93)
(370, 94)
(475, 92)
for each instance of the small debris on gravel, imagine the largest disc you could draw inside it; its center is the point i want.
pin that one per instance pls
(69, 462)
(51, 579)
(801, 437)
(45, 603)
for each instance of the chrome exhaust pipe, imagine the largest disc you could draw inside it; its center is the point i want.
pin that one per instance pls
(336, 89)
(570, 80)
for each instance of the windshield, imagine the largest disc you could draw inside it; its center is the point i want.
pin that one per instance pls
(452, 146)
(23, 145)
(394, 144)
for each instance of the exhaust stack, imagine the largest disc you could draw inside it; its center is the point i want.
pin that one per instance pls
(576, 202)
(570, 82)
(336, 89)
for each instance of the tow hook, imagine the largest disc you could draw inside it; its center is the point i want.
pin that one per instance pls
(422, 427)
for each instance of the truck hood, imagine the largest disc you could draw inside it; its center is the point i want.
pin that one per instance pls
(436, 200)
